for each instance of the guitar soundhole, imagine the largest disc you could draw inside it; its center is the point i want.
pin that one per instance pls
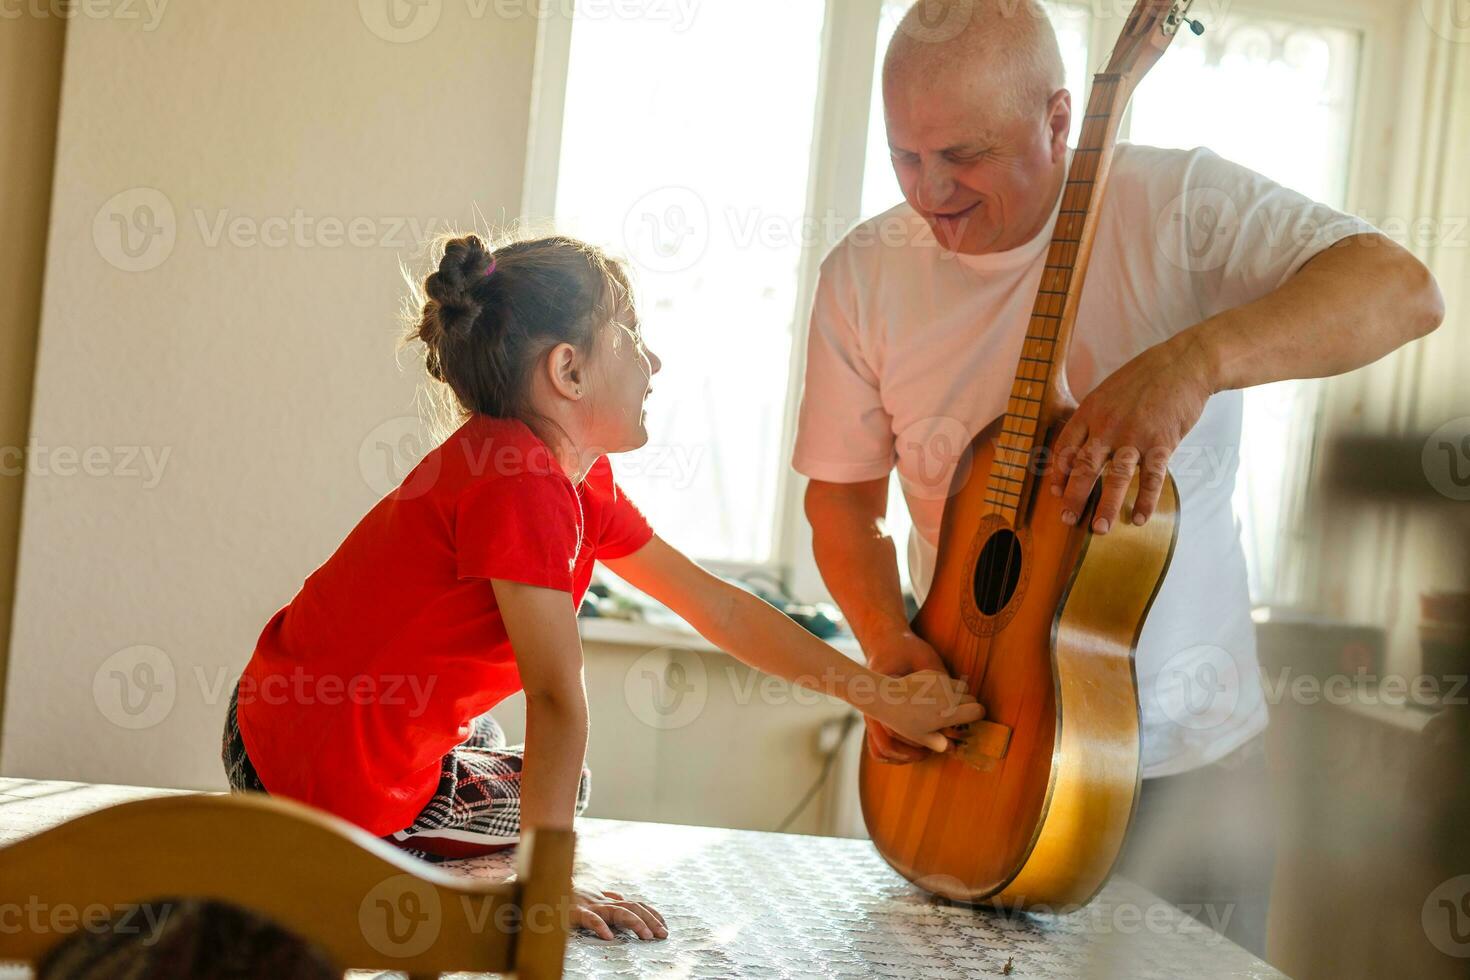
(997, 572)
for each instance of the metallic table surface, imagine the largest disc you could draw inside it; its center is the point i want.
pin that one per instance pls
(741, 903)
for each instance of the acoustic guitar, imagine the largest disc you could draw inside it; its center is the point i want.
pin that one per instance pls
(1040, 618)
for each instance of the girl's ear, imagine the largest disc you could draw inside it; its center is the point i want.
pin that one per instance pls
(564, 369)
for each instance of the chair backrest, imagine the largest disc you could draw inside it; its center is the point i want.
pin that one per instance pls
(366, 904)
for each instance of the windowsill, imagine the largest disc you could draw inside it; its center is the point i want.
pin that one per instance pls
(1399, 715)
(622, 632)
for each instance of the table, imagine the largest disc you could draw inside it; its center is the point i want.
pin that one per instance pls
(742, 903)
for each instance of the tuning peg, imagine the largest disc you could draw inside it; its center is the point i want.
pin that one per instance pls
(1195, 26)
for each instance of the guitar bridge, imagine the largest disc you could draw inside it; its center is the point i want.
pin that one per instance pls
(983, 744)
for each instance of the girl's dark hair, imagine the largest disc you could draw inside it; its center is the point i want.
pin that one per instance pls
(487, 317)
(187, 939)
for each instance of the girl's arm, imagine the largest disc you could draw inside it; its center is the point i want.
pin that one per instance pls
(542, 626)
(918, 706)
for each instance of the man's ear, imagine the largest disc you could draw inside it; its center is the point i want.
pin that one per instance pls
(564, 371)
(1059, 122)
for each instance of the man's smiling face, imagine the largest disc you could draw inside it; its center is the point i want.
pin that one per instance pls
(984, 181)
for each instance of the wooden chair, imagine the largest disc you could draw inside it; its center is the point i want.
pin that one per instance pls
(363, 902)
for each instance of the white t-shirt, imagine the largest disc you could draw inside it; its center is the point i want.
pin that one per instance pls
(912, 350)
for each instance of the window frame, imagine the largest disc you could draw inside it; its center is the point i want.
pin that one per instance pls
(834, 186)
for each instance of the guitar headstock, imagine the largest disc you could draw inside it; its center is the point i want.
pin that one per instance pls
(1151, 25)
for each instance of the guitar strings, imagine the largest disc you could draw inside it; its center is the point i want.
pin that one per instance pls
(1081, 178)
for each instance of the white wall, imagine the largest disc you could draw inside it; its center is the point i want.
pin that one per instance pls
(260, 371)
(682, 733)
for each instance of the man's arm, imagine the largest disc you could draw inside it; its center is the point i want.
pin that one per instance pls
(1347, 306)
(859, 564)
(856, 556)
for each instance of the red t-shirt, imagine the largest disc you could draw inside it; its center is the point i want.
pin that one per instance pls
(372, 673)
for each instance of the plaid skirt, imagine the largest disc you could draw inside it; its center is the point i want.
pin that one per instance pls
(475, 810)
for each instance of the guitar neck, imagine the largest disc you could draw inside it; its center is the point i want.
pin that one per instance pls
(1039, 392)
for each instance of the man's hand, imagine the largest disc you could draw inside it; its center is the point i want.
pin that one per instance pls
(1138, 415)
(603, 911)
(903, 653)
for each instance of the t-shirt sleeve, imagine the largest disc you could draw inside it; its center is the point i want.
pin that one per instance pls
(1240, 235)
(843, 432)
(624, 528)
(521, 528)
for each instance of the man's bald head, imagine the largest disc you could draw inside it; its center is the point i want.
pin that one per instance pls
(1007, 48)
(977, 120)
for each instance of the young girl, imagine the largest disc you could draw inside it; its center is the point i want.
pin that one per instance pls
(366, 695)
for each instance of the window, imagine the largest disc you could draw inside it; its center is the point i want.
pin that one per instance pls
(1208, 90)
(681, 152)
(698, 150)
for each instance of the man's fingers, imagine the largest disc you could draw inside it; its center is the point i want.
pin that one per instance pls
(886, 748)
(1150, 483)
(1085, 469)
(877, 744)
(873, 748)
(1069, 441)
(1115, 482)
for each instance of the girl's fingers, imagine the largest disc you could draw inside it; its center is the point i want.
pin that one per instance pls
(653, 912)
(625, 918)
(586, 918)
(650, 918)
(647, 912)
(967, 713)
(604, 911)
(936, 742)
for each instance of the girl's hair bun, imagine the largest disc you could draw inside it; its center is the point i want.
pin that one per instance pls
(485, 316)
(453, 287)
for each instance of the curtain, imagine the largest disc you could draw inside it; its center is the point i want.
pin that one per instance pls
(1374, 559)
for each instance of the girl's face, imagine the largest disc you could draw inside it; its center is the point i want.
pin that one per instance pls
(621, 378)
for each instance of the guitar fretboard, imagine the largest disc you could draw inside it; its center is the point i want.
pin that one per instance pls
(1048, 334)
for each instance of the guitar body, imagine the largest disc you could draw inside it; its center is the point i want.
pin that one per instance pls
(1042, 620)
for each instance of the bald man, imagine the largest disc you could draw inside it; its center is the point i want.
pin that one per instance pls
(1206, 278)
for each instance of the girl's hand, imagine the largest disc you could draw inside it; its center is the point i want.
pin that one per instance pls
(920, 705)
(896, 655)
(603, 911)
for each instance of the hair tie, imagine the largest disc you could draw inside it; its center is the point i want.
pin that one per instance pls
(491, 267)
